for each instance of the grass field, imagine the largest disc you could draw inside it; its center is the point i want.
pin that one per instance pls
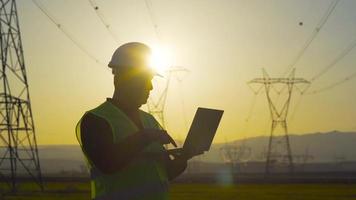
(78, 191)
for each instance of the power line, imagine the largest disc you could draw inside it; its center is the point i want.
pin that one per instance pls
(249, 114)
(100, 15)
(320, 25)
(333, 85)
(65, 32)
(335, 61)
(149, 6)
(296, 107)
(342, 55)
(251, 108)
(185, 121)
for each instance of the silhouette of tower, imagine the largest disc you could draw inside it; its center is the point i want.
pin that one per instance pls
(279, 152)
(18, 147)
(229, 155)
(157, 107)
(303, 159)
(235, 155)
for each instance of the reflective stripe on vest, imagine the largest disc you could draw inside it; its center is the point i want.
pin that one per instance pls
(142, 176)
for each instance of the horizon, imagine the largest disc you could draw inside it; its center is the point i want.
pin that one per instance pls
(232, 141)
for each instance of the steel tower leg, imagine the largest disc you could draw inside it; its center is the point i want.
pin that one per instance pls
(18, 146)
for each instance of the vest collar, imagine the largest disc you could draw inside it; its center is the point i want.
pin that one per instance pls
(140, 113)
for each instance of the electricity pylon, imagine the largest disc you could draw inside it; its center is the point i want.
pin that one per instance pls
(157, 108)
(279, 149)
(303, 159)
(18, 146)
(235, 155)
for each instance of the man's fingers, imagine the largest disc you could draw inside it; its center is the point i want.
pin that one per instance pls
(163, 135)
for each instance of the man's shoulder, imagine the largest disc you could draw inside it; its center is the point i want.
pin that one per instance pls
(90, 118)
(99, 107)
(146, 114)
(103, 110)
(91, 115)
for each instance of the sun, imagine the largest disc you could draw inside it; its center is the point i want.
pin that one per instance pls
(161, 59)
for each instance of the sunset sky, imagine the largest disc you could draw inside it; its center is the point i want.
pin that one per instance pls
(223, 43)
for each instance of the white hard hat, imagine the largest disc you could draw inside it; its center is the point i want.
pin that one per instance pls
(132, 54)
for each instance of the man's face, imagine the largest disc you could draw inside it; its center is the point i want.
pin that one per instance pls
(136, 89)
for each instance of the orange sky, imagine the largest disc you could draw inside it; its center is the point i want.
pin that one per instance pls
(223, 43)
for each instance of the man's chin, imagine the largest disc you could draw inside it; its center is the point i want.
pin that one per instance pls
(145, 100)
(142, 103)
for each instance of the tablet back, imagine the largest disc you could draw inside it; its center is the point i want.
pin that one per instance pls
(202, 130)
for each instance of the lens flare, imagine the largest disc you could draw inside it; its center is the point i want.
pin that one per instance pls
(161, 59)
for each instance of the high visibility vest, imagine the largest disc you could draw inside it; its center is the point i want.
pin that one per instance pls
(144, 177)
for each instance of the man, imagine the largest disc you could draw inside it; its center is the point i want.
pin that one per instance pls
(123, 145)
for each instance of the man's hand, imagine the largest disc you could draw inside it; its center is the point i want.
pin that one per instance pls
(180, 153)
(176, 166)
(159, 135)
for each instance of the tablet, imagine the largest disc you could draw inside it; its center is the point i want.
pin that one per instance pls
(201, 132)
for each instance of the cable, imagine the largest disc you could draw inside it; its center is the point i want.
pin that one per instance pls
(296, 107)
(95, 6)
(185, 121)
(335, 61)
(333, 85)
(320, 25)
(65, 32)
(152, 18)
(249, 115)
(344, 53)
(251, 108)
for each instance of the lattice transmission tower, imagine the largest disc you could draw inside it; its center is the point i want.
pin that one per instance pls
(157, 106)
(18, 147)
(279, 153)
(235, 155)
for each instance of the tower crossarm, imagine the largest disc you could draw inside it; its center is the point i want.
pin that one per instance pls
(279, 80)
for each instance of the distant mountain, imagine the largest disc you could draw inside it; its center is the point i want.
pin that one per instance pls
(323, 147)
(332, 146)
(57, 158)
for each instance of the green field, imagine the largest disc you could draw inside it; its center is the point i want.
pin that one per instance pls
(80, 191)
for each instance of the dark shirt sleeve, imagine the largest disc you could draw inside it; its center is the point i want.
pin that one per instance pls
(98, 145)
(175, 166)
